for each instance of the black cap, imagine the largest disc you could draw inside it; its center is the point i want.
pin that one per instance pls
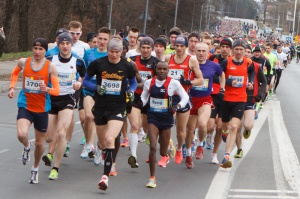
(226, 42)
(59, 31)
(90, 36)
(161, 41)
(41, 42)
(239, 42)
(256, 49)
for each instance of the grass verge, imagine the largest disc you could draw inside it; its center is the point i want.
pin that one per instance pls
(15, 56)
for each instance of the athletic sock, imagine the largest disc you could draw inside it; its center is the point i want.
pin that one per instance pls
(133, 143)
(108, 161)
(189, 152)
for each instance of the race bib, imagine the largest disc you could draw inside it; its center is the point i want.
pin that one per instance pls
(175, 73)
(33, 86)
(239, 81)
(66, 79)
(112, 87)
(203, 87)
(158, 105)
(144, 75)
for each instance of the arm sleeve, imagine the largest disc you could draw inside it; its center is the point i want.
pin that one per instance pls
(89, 85)
(251, 73)
(263, 82)
(184, 97)
(14, 76)
(80, 67)
(132, 84)
(55, 87)
(268, 65)
(145, 93)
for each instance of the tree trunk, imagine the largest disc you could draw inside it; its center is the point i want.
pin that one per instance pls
(63, 8)
(23, 25)
(7, 21)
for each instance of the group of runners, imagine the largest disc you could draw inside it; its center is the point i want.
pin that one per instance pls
(206, 88)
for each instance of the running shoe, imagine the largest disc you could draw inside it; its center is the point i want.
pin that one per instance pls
(26, 156)
(256, 115)
(141, 136)
(84, 154)
(98, 156)
(246, 134)
(34, 178)
(125, 142)
(91, 151)
(151, 183)
(82, 141)
(103, 183)
(147, 140)
(271, 92)
(226, 163)
(171, 149)
(48, 159)
(67, 152)
(274, 91)
(261, 106)
(163, 161)
(132, 162)
(189, 162)
(199, 153)
(210, 141)
(184, 150)
(224, 135)
(53, 175)
(178, 157)
(239, 153)
(113, 170)
(214, 159)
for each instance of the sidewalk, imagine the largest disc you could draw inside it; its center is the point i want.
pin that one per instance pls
(6, 69)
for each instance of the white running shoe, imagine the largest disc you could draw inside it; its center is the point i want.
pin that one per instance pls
(141, 136)
(84, 154)
(34, 178)
(214, 159)
(98, 156)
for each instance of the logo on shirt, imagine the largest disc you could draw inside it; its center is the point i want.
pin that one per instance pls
(71, 67)
(162, 90)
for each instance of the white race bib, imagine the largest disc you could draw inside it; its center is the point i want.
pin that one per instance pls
(203, 87)
(176, 73)
(158, 105)
(239, 81)
(112, 87)
(33, 86)
(144, 75)
(66, 79)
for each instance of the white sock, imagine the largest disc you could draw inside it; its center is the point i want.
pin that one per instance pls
(189, 152)
(133, 143)
(200, 143)
(34, 169)
(142, 131)
(27, 147)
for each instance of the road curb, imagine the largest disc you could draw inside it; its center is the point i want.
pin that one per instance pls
(4, 86)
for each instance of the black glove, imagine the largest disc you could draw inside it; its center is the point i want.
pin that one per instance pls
(130, 95)
(184, 81)
(173, 109)
(100, 89)
(257, 98)
(221, 95)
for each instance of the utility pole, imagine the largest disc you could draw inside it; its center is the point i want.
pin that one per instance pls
(193, 18)
(146, 16)
(176, 13)
(201, 19)
(110, 12)
(295, 9)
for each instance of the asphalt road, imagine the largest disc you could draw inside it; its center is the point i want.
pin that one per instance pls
(269, 168)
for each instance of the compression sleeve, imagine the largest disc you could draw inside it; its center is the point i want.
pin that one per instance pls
(89, 85)
(132, 84)
(14, 76)
(55, 87)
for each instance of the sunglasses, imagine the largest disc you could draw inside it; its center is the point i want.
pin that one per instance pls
(73, 33)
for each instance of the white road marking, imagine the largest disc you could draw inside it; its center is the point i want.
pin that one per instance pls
(283, 150)
(223, 178)
(4, 150)
(78, 122)
(262, 191)
(261, 196)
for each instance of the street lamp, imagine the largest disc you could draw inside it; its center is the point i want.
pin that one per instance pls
(110, 12)
(176, 13)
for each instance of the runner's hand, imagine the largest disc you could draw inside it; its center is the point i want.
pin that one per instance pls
(11, 93)
(184, 81)
(100, 89)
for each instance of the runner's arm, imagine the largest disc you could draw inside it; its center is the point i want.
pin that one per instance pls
(15, 73)
(54, 81)
(184, 97)
(145, 93)
(194, 66)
